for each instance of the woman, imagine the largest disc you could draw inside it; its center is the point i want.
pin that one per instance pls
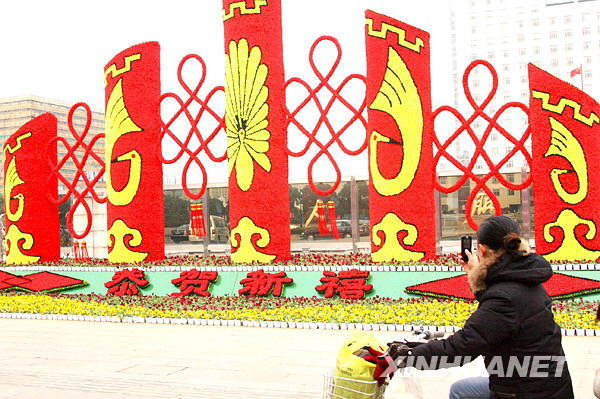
(513, 323)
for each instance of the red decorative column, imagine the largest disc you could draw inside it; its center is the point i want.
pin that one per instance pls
(401, 193)
(565, 127)
(32, 225)
(133, 168)
(258, 165)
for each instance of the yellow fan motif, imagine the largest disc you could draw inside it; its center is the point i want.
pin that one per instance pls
(565, 145)
(246, 112)
(118, 123)
(12, 180)
(399, 98)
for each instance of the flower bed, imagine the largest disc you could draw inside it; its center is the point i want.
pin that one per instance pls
(353, 259)
(422, 311)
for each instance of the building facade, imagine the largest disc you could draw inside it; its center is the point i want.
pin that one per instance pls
(560, 36)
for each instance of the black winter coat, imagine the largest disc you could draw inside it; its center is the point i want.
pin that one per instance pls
(514, 318)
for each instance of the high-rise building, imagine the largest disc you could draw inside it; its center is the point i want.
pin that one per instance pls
(16, 111)
(559, 36)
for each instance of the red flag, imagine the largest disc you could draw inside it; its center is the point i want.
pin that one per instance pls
(322, 218)
(332, 219)
(576, 71)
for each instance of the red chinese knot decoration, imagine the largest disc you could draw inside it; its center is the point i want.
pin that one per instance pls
(127, 282)
(194, 119)
(259, 283)
(324, 109)
(348, 284)
(518, 143)
(82, 154)
(194, 282)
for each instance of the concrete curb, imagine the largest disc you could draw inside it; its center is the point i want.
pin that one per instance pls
(580, 332)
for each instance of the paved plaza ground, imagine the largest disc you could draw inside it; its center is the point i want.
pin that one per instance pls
(46, 359)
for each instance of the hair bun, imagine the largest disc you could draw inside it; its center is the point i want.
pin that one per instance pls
(511, 242)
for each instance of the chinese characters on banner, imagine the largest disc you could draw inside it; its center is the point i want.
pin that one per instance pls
(31, 219)
(127, 282)
(262, 284)
(256, 134)
(401, 193)
(347, 284)
(566, 129)
(194, 282)
(133, 168)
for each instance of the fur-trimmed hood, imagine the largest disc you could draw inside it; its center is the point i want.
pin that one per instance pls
(523, 267)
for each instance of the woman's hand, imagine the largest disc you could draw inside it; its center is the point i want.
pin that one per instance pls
(472, 262)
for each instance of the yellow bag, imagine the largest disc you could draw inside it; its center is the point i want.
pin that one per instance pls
(351, 370)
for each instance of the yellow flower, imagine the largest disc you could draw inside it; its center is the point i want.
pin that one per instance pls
(246, 112)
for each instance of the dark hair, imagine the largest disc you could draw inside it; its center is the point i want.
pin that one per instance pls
(598, 314)
(499, 232)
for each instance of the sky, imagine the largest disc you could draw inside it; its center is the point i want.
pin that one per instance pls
(58, 49)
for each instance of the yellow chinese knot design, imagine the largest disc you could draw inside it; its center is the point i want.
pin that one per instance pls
(392, 250)
(16, 240)
(246, 253)
(246, 112)
(565, 145)
(399, 98)
(116, 239)
(571, 248)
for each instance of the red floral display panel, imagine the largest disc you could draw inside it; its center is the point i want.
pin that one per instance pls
(566, 127)
(560, 286)
(38, 282)
(401, 170)
(31, 220)
(133, 168)
(256, 135)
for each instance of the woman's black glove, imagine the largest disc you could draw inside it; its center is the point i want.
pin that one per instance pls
(399, 352)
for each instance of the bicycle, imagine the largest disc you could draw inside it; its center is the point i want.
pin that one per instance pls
(335, 387)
